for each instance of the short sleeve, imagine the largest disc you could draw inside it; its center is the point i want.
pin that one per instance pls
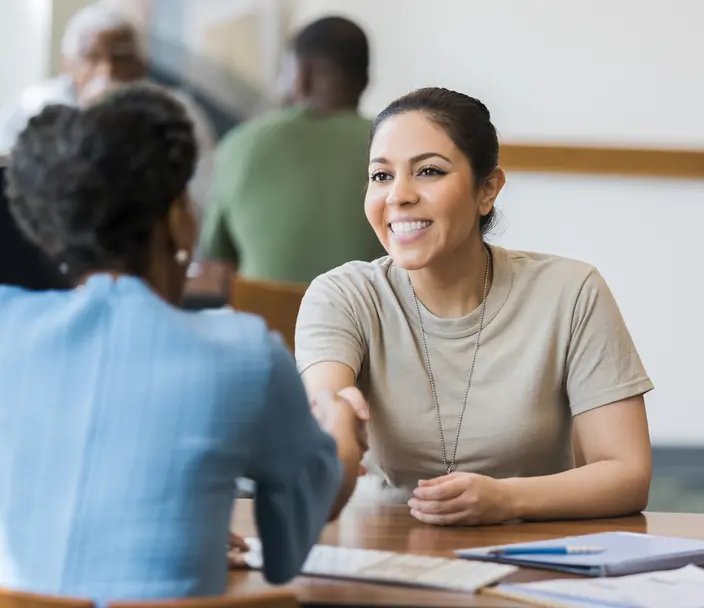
(296, 469)
(603, 365)
(216, 242)
(327, 329)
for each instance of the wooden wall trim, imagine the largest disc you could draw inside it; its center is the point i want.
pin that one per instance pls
(639, 162)
(643, 162)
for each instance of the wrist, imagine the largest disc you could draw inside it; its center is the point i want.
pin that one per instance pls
(348, 449)
(514, 498)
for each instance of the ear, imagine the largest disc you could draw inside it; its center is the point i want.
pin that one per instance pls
(490, 190)
(181, 225)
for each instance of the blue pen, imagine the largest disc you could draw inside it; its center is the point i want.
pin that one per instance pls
(547, 550)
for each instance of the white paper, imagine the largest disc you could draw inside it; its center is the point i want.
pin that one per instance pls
(683, 588)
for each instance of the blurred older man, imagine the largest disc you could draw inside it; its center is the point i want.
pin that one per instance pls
(101, 50)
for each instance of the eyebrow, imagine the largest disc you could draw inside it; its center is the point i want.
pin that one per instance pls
(414, 160)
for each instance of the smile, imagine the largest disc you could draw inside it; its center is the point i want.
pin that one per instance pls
(409, 227)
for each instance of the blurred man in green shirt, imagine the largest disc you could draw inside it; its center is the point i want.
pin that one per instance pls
(288, 194)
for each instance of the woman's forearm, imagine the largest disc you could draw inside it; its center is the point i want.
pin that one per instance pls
(602, 489)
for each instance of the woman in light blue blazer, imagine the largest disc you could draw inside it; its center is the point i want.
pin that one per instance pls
(124, 421)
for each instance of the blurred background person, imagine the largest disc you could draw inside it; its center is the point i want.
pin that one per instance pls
(288, 187)
(102, 49)
(125, 421)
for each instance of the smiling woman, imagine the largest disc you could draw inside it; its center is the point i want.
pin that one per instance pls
(477, 362)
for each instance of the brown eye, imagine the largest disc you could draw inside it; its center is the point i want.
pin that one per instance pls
(431, 172)
(380, 176)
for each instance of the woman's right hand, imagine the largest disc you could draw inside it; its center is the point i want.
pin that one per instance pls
(345, 413)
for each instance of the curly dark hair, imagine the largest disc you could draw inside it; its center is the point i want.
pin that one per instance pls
(465, 120)
(89, 186)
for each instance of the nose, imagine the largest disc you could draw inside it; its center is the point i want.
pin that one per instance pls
(401, 193)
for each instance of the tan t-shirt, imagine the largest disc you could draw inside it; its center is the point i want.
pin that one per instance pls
(554, 345)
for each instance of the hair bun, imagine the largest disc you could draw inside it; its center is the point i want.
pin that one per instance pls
(88, 186)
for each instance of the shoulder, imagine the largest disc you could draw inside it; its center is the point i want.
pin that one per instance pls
(27, 302)
(353, 295)
(270, 123)
(233, 353)
(230, 333)
(356, 279)
(548, 272)
(55, 90)
(246, 359)
(10, 295)
(360, 123)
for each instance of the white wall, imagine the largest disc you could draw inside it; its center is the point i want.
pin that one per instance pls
(618, 71)
(603, 70)
(25, 39)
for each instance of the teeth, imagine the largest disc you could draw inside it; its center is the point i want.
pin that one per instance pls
(400, 227)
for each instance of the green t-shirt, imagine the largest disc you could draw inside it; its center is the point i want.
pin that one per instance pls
(288, 196)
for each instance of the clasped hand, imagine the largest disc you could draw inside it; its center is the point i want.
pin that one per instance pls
(461, 499)
(348, 409)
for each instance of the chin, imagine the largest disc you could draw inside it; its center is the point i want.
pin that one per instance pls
(410, 261)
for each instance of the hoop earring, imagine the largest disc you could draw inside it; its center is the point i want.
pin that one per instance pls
(182, 256)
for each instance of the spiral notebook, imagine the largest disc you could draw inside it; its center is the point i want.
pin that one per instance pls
(624, 553)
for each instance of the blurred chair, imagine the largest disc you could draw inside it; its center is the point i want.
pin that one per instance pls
(18, 599)
(214, 285)
(272, 599)
(269, 599)
(207, 286)
(277, 303)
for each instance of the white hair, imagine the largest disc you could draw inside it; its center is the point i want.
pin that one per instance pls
(91, 21)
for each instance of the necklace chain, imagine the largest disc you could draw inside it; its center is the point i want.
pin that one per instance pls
(449, 467)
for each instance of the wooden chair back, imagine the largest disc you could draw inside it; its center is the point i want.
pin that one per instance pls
(18, 599)
(269, 599)
(277, 303)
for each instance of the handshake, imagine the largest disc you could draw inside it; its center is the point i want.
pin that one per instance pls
(344, 416)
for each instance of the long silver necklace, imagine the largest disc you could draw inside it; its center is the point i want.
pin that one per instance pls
(449, 467)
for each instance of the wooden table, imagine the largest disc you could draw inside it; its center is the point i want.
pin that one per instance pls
(392, 528)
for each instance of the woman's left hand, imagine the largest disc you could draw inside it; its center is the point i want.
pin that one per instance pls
(462, 499)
